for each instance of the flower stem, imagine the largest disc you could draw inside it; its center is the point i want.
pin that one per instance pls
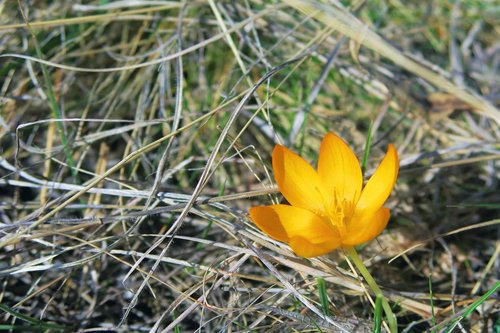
(391, 318)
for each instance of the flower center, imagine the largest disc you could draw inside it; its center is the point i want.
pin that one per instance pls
(340, 212)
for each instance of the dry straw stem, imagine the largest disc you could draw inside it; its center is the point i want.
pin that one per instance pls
(201, 182)
(467, 228)
(90, 18)
(161, 60)
(349, 25)
(14, 238)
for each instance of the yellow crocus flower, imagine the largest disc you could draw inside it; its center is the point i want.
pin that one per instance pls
(329, 208)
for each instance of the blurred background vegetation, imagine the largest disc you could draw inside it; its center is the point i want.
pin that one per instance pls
(135, 135)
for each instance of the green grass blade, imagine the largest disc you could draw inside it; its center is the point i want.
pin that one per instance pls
(38, 324)
(323, 296)
(177, 329)
(20, 328)
(377, 318)
(472, 308)
(481, 300)
(368, 144)
(53, 104)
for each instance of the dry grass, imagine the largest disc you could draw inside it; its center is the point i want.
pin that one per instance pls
(128, 167)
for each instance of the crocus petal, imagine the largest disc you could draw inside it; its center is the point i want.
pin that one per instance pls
(362, 231)
(339, 170)
(266, 218)
(284, 222)
(304, 248)
(297, 180)
(380, 185)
